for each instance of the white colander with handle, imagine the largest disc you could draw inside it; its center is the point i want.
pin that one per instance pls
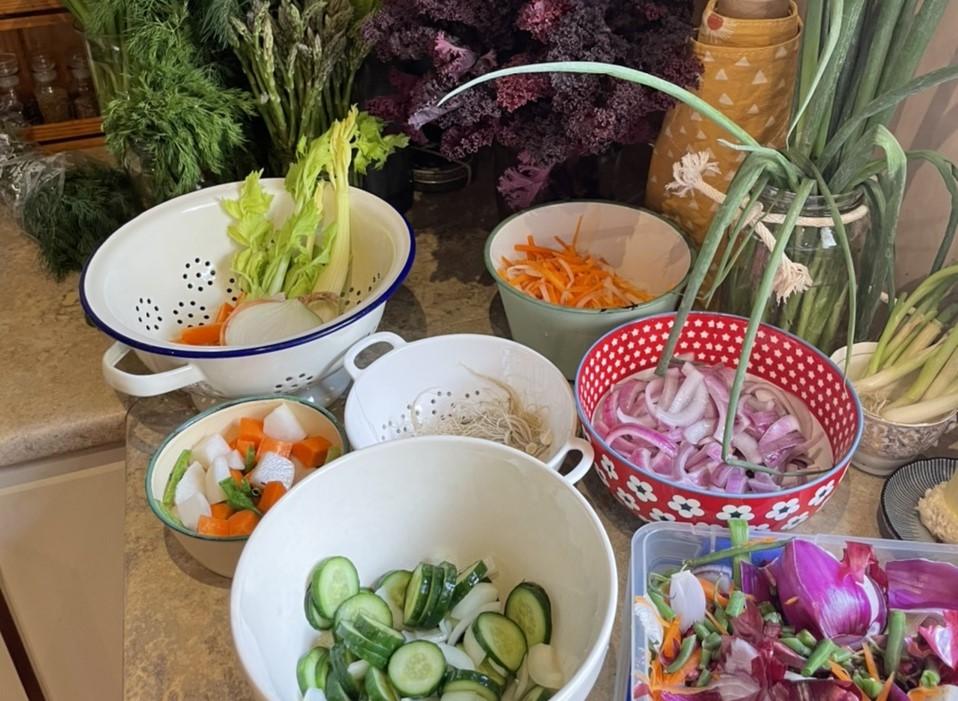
(416, 383)
(170, 268)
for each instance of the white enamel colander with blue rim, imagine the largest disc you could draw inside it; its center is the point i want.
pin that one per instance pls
(170, 268)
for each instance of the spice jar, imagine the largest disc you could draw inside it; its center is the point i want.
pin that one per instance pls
(52, 98)
(84, 96)
(11, 106)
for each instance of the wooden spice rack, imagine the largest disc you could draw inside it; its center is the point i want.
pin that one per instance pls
(28, 26)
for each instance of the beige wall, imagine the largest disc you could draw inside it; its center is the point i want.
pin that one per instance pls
(928, 120)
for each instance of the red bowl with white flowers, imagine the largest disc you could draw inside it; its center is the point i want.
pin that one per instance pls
(778, 357)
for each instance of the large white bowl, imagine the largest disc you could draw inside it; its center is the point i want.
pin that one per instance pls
(641, 246)
(434, 497)
(416, 382)
(171, 267)
(220, 555)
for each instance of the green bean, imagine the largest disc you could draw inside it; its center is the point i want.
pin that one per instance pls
(701, 630)
(819, 657)
(895, 632)
(773, 617)
(706, 658)
(721, 618)
(842, 655)
(766, 607)
(665, 611)
(712, 628)
(704, 678)
(798, 646)
(713, 642)
(930, 679)
(788, 632)
(870, 686)
(736, 604)
(720, 555)
(685, 653)
(807, 638)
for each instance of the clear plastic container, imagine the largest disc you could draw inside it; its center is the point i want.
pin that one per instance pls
(657, 546)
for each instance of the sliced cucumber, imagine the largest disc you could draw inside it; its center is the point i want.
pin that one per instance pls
(383, 636)
(537, 693)
(360, 646)
(333, 581)
(461, 696)
(394, 584)
(493, 673)
(468, 578)
(501, 639)
(444, 583)
(313, 616)
(308, 669)
(365, 603)
(476, 682)
(417, 668)
(432, 603)
(339, 661)
(378, 687)
(417, 593)
(334, 689)
(528, 606)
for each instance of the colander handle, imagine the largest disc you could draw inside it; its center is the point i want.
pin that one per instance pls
(145, 385)
(580, 445)
(349, 360)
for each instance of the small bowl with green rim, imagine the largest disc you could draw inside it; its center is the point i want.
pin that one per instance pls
(650, 252)
(220, 554)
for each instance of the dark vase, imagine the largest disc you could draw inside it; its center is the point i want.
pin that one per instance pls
(619, 175)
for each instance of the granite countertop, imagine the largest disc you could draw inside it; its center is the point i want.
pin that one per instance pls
(55, 399)
(177, 642)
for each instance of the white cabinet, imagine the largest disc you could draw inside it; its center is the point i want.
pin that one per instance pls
(61, 570)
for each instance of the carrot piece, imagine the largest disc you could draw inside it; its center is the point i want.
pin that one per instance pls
(250, 430)
(271, 445)
(223, 313)
(218, 527)
(311, 451)
(242, 522)
(237, 477)
(208, 335)
(839, 671)
(678, 678)
(711, 591)
(870, 662)
(672, 639)
(272, 493)
(221, 510)
(886, 688)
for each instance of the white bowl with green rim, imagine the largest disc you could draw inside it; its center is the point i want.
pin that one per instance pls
(642, 247)
(220, 555)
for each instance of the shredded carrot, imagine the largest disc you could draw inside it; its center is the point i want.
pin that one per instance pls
(656, 673)
(569, 277)
(870, 662)
(711, 591)
(793, 600)
(839, 671)
(678, 678)
(671, 641)
(223, 313)
(886, 688)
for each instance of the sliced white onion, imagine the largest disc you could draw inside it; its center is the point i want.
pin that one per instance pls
(396, 612)
(544, 667)
(522, 678)
(433, 635)
(324, 638)
(456, 657)
(503, 672)
(687, 598)
(480, 595)
(473, 649)
(268, 321)
(357, 670)
(510, 693)
(492, 607)
(491, 568)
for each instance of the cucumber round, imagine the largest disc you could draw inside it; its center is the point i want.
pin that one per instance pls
(468, 578)
(334, 690)
(339, 661)
(440, 594)
(313, 616)
(360, 646)
(417, 593)
(501, 639)
(417, 668)
(308, 669)
(378, 687)
(394, 585)
(334, 580)
(383, 636)
(537, 693)
(493, 673)
(365, 603)
(474, 682)
(528, 606)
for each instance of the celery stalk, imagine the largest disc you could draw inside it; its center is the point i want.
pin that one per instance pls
(930, 370)
(887, 376)
(947, 377)
(925, 411)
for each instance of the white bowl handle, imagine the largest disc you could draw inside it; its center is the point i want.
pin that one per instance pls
(145, 385)
(349, 360)
(588, 457)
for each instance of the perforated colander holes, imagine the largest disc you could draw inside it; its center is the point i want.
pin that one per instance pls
(148, 314)
(198, 274)
(230, 289)
(293, 383)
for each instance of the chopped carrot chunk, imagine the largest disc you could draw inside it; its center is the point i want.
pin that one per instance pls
(272, 493)
(311, 451)
(250, 430)
(218, 527)
(207, 335)
(242, 522)
(221, 510)
(271, 445)
(237, 477)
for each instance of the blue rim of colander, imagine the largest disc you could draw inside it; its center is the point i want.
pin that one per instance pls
(504, 285)
(247, 351)
(151, 466)
(586, 421)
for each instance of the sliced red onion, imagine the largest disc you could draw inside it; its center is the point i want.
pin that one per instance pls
(642, 420)
(696, 432)
(719, 395)
(693, 411)
(662, 464)
(721, 474)
(922, 584)
(670, 386)
(687, 389)
(748, 447)
(653, 438)
(736, 482)
(785, 426)
(629, 395)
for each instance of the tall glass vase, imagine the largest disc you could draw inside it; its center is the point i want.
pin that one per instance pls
(109, 66)
(820, 314)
